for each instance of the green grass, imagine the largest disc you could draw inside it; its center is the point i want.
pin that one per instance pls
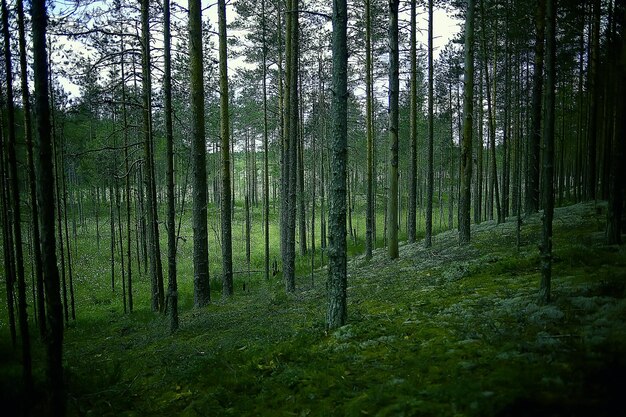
(439, 331)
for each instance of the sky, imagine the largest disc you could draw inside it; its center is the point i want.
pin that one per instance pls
(445, 27)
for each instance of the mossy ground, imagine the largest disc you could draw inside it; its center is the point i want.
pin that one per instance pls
(444, 331)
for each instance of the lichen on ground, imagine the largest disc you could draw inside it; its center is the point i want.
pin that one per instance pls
(448, 330)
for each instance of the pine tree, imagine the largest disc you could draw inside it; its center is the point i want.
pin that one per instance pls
(202, 289)
(466, 142)
(337, 262)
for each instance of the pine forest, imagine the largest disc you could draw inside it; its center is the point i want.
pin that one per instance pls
(310, 208)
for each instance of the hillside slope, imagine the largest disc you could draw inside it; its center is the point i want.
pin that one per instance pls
(439, 332)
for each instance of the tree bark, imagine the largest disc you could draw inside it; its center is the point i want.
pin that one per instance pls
(532, 191)
(412, 210)
(290, 154)
(430, 159)
(466, 143)
(394, 88)
(7, 240)
(337, 265)
(45, 199)
(478, 189)
(594, 103)
(370, 240)
(266, 181)
(202, 289)
(616, 182)
(227, 246)
(154, 255)
(172, 284)
(127, 185)
(548, 153)
(15, 209)
(32, 187)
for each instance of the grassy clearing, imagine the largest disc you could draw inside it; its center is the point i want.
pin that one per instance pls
(440, 331)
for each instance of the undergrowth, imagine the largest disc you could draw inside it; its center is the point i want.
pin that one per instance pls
(443, 331)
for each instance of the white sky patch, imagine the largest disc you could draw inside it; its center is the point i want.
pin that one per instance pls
(445, 27)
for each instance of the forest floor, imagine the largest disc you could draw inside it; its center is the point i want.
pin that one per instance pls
(444, 331)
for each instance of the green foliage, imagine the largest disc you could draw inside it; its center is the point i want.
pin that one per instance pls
(442, 331)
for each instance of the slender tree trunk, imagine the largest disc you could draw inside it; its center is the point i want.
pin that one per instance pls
(57, 190)
(45, 199)
(227, 246)
(112, 234)
(491, 120)
(466, 143)
(370, 239)
(28, 136)
(300, 175)
(532, 191)
(394, 89)
(121, 240)
(266, 182)
(430, 161)
(337, 265)
(412, 211)
(127, 184)
(67, 235)
(156, 271)
(506, 137)
(7, 234)
(16, 210)
(290, 155)
(97, 216)
(202, 290)
(616, 181)
(594, 103)
(172, 284)
(478, 189)
(322, 204)
(313, 200)
(142, 226)
(548, 153)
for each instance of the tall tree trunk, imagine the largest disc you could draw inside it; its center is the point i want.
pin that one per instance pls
(506, 137)
(27, 374)
(127, 184)
(300, 173)
(337, 264)
(202, 289)
(616, 181)
(45, 199)
(491, 118)
(172, 284)
(118, 204)
(394, 89)
(468, 113)
(227, 246)
(532, 191)
(594, 103)
(548, 153)
(370, 239)
(266, 182)
(7, 237)
(478, 189)
(57, 191)
(97, 216)
(112, 234)
(67, 235)
(28, 136)
(156, 271)
(291, 134)
(430, 159)
(412, 211)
